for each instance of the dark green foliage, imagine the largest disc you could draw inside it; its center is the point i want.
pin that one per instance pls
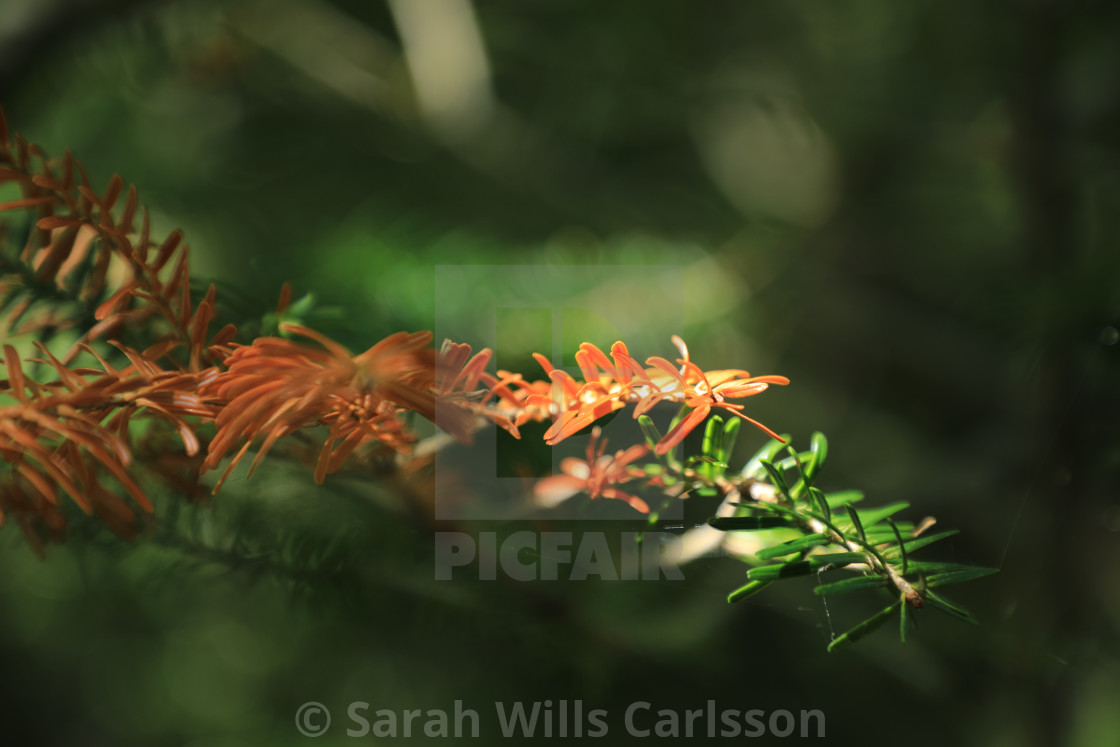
(880, 553)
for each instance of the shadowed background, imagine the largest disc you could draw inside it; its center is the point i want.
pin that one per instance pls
(909, 209)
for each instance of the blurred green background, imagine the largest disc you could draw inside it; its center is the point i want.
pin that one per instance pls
(910, 209)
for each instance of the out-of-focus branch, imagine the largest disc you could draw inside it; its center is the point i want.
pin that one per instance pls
(447, 63)
(343, 56)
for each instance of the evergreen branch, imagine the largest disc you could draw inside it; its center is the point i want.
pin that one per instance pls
(882, 558)
(84, 263)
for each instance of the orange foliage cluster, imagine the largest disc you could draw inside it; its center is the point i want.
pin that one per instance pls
(597, 475)
(72, 436)
(609, 386)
